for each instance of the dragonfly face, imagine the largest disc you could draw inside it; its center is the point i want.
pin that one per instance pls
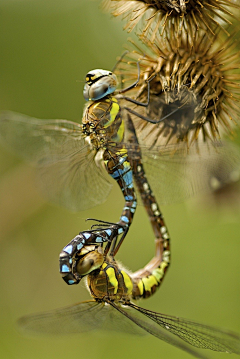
(86, 260)
(90, 258)
(99, 83)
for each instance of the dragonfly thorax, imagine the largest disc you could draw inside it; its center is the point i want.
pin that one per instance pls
(110, 282)
(102, 121)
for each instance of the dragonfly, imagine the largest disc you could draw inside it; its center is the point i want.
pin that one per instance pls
(72, 160)
(113, 290)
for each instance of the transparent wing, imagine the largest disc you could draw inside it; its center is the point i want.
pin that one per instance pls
(131, 319)
(175, 173)
(65, 164)
(78, 318)
(152, 328)
(196, 334)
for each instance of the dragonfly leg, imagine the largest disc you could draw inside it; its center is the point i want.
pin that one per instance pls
(150, 277)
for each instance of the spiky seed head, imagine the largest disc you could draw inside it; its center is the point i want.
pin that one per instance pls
(172, 17)
(194, 92)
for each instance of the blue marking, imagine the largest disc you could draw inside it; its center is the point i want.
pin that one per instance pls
(134, 205)
(117, 173)
(79, 246)
(109, 232)
(87, 235)
(70, 260)
(65, 268)
(130, 185)
(128, 198)
(122, 160)
(125, 219)
(71, 281)
(68, 249)
(128, 178)
(132, 210)
(120, 230)
(126, 170)
(99, 240)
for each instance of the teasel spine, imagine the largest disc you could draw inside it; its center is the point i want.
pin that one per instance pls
(171, 18)
(207, 73)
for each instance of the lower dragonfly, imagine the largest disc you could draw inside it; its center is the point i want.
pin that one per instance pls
(112, 309)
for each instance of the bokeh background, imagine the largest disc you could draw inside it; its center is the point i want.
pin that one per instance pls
(47, 46)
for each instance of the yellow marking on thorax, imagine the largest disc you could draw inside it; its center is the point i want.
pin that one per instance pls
(113, 112)
(127, 281)
(112, 278)
(120, 133)
(104, 265)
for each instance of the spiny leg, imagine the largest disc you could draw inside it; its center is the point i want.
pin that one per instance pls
(150, 277)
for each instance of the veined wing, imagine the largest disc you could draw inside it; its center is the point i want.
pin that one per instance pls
(131, 319)
(198, 335)
(65, 163)
(175, 173)
(78, 318)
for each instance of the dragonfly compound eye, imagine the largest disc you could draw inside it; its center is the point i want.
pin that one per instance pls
(99, 83)
(89, 262)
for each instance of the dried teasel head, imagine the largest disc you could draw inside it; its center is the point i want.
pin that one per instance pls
(194, 92)
(172, 17)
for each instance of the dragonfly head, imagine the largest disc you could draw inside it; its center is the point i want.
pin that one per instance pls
(91, 258)
(99, 83)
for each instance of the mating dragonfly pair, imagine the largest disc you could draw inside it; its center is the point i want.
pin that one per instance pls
(69, 158)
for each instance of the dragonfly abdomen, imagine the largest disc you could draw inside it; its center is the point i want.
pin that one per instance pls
(147, 282)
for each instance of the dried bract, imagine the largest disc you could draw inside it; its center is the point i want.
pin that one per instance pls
(172, 17)
(194, 92)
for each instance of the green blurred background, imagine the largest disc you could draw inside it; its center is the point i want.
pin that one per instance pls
(47, 46)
